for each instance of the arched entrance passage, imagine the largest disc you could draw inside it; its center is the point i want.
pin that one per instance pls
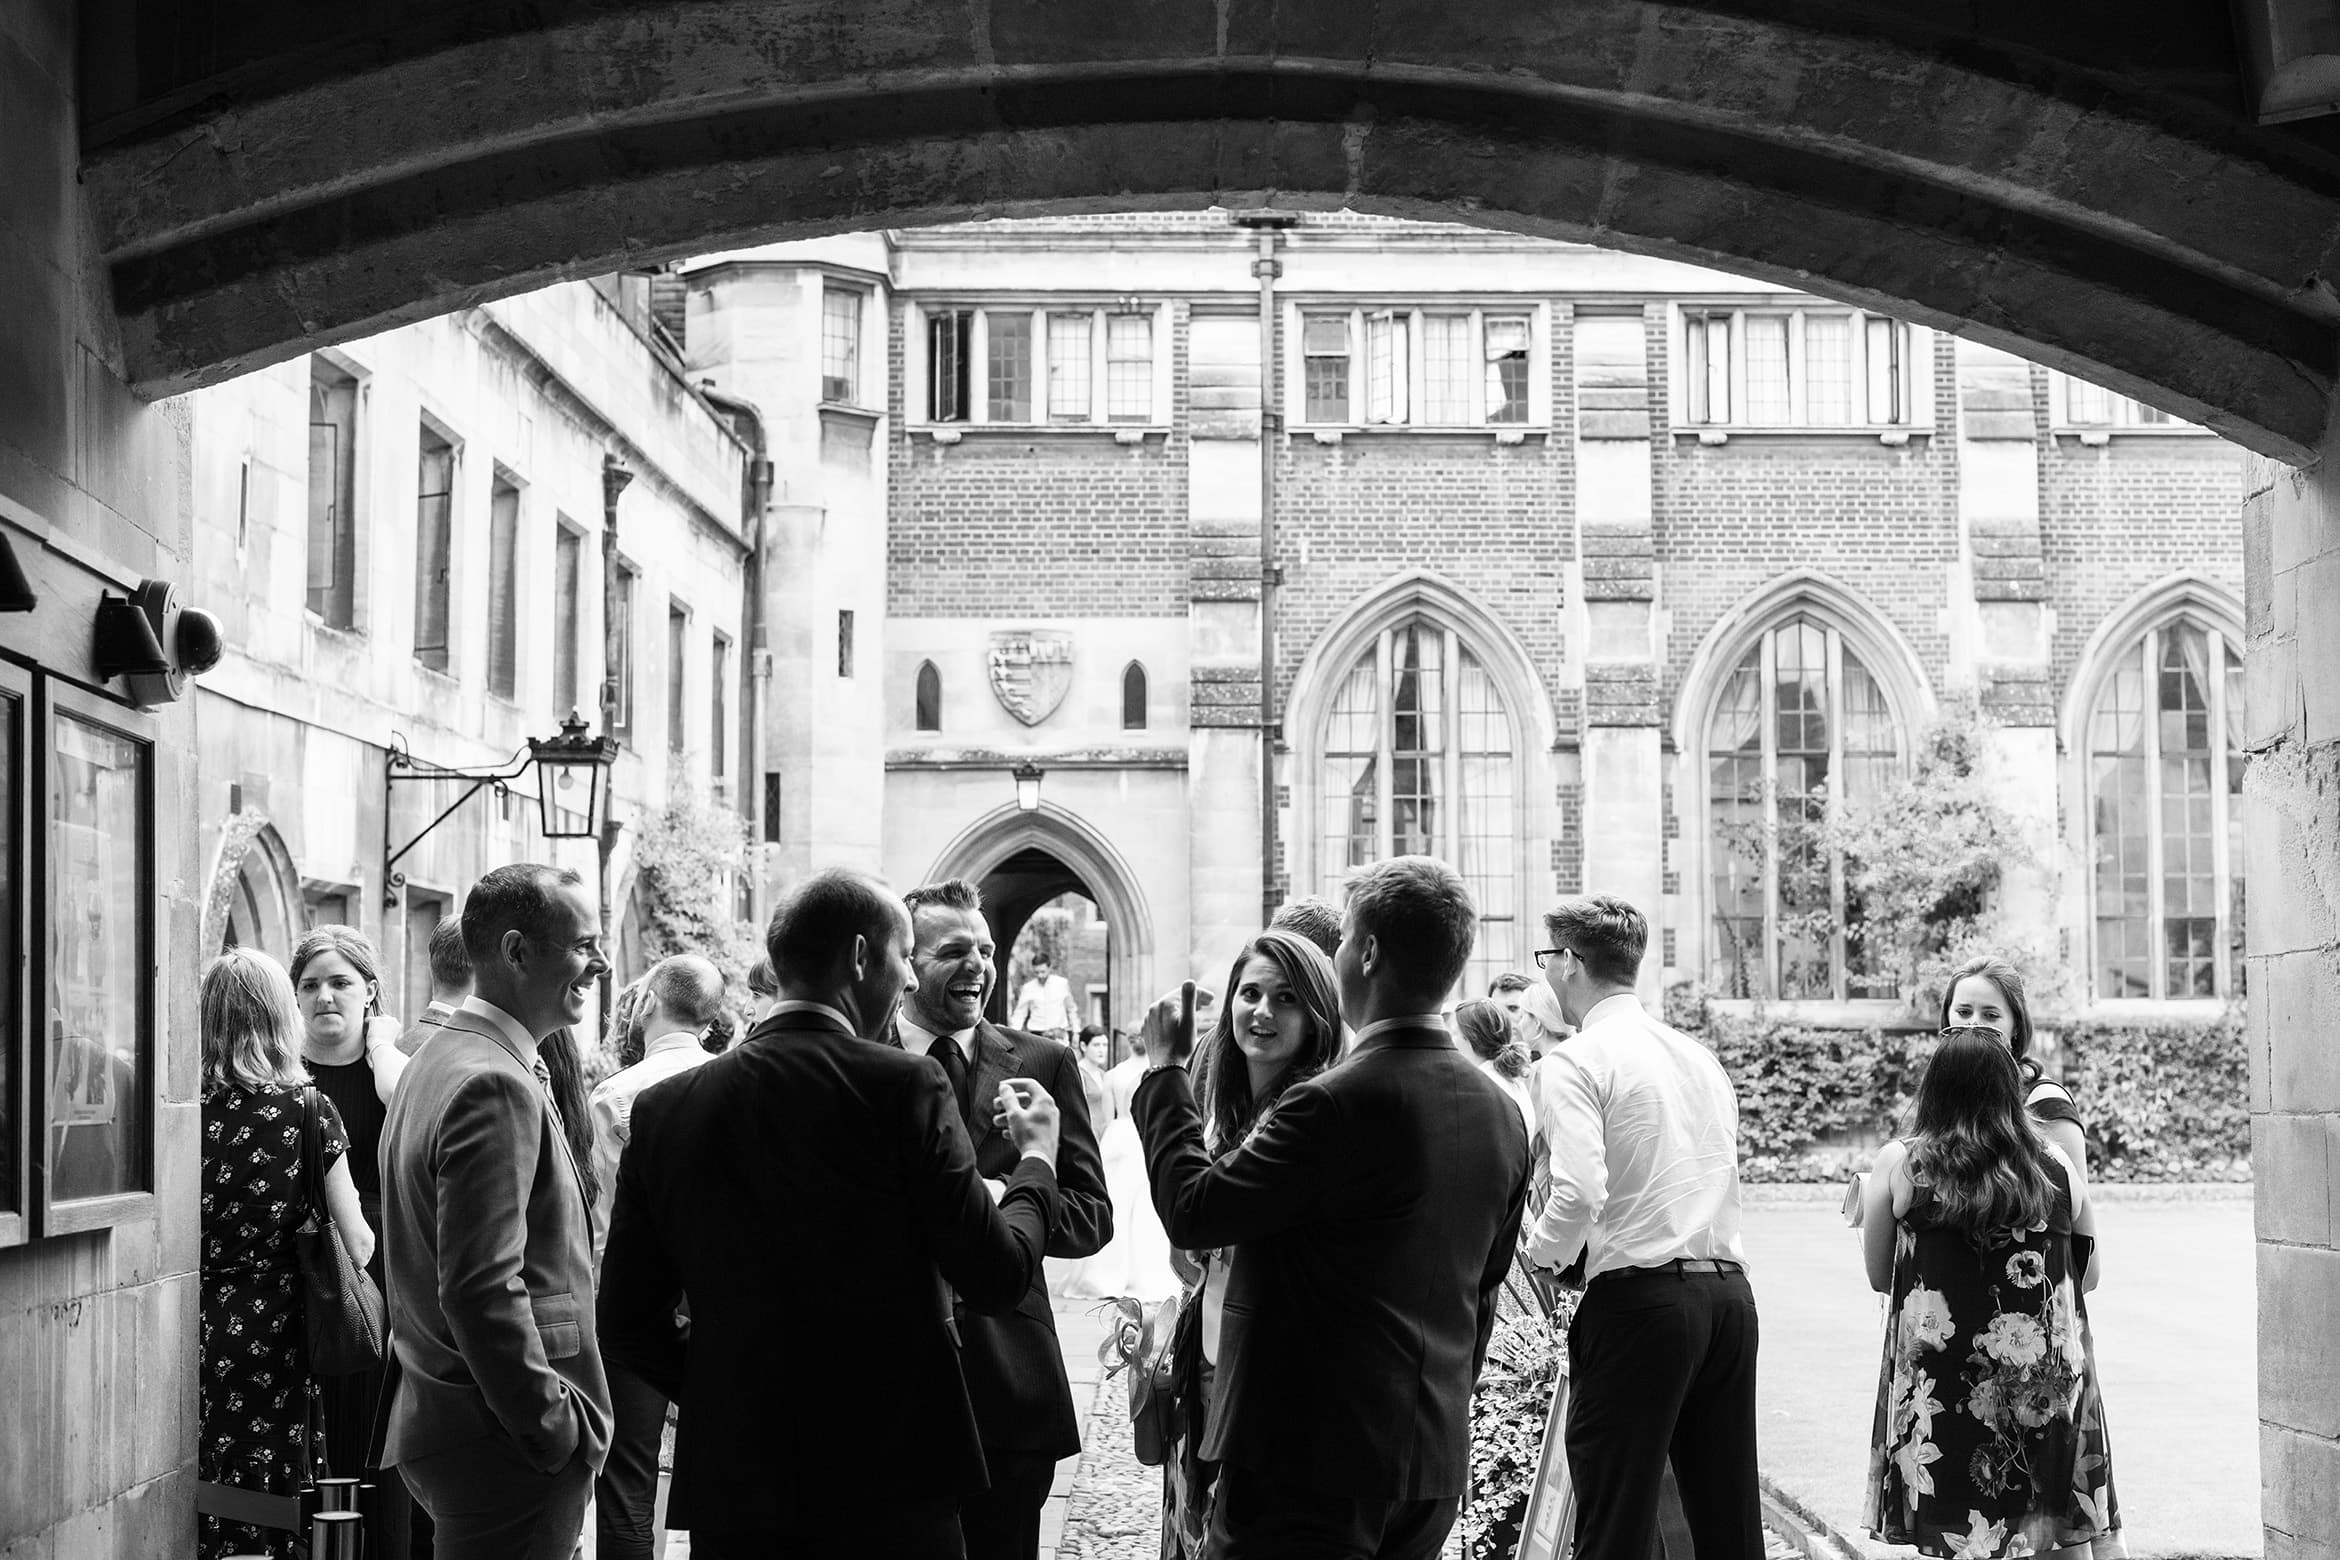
(1022, 860)
(2097, 196)
(255, 898)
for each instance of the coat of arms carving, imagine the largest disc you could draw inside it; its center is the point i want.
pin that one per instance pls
(1031, 671)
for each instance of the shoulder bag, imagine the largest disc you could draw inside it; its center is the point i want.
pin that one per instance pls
(346, 1318)
(1156, 1416)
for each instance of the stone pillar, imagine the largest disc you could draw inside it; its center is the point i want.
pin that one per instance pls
(2000, 625)
(2291, 833)
(1624, 779)
(1223, 606)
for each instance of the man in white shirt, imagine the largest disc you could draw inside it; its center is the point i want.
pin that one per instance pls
(1045, 1005)
(1643, 1129)
(684, 996)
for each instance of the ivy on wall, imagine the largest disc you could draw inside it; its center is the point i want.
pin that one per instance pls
(2164, 1101)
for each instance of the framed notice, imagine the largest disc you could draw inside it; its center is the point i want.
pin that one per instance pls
(1550, 1523)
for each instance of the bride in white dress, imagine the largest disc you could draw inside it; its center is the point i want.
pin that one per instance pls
(1136, 1262)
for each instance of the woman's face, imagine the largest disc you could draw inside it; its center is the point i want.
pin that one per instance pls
(333, 997)
(1270, 1023)
(1093, 1048)
(1977, 1001)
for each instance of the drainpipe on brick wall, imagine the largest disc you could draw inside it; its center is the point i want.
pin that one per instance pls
(756, 670)
(1267, 224)
(615, 475)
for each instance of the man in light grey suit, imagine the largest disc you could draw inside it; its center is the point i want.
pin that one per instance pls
(498, 1414)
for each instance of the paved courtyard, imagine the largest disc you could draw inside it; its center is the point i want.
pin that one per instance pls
(2176, 1341)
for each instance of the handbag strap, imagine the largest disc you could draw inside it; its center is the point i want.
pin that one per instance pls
(313, 1157)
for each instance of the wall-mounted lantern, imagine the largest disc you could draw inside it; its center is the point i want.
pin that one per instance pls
(571, 772)
(1027, 777)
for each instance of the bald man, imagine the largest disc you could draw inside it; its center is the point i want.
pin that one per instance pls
(682, 998)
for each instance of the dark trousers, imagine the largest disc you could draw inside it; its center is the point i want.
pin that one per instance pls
(625, 1495)
(1003, 1522)
(1662, 1366)
(489, 1504)
(908, 1529)
(1253, 1517)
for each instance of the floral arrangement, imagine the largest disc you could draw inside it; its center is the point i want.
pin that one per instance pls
(1527, 1357)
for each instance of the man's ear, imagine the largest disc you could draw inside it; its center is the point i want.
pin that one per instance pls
(1368, 954)
(858, 959)
(514, 947)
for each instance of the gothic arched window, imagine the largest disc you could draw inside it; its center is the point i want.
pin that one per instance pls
(1799, 723)
(928, 698)
(1418, 759)
(2165, 765)
(1133, 697)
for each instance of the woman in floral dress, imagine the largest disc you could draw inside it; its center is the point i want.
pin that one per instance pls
(1989, 1439)
(257, 1398)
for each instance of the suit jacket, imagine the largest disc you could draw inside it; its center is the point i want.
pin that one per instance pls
(436, 1014)
(1373, 1219)
(811, 1194)
(1015, 1368)
(488, 1247)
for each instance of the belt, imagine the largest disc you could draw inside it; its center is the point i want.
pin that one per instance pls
(1678, 1267)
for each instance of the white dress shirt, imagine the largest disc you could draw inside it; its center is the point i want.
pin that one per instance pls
(1643, 1132)
(917, 1039)
(677, 1051)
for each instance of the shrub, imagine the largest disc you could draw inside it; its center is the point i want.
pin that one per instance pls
(2163, 1102)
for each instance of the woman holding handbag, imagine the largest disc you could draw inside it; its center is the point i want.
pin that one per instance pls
(257, 1395)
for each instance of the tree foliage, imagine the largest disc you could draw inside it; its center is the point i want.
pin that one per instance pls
(689, 860)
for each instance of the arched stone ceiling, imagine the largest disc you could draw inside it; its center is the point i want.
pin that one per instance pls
(2072, 179)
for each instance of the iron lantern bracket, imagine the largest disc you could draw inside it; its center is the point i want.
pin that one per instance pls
(415, 770)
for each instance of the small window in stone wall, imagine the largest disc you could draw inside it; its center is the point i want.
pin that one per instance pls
(845, 644)
(1133, 697)
(927, 697)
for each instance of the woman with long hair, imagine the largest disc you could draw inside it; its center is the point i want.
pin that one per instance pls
(256, 1397)
(1279, 1025)
(1988, 1440)
(1986, 992)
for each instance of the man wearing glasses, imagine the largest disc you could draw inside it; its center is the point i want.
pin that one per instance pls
(1644, 1129)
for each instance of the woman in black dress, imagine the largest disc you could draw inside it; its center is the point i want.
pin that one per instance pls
(258, 1401)
(352, 1052)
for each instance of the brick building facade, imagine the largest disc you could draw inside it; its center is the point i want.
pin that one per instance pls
(1573, 558)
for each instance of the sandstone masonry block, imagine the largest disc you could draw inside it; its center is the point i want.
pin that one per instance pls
(2290, 1156)
(2299, 1316)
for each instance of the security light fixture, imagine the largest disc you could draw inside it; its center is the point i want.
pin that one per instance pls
(16, 592)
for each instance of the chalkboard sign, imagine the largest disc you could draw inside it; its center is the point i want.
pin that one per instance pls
(1550, 1523)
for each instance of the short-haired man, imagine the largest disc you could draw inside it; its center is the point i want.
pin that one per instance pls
(1045, 1005)
(681, 996)
(1392, 1182)
(1311, 916)
(499, 1414)
(813, 1194)
(1015, 1367)
(450, 982)
(1643, 1129)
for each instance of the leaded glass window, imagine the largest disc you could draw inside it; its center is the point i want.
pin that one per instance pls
(2165, 763)
(1419, 759)
(1801, 723)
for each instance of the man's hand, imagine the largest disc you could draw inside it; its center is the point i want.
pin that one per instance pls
(1168, 1031)
(1028, 1115)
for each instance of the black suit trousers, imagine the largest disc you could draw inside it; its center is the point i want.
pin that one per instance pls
(1254, 1518)
(1003, 1522)
(1662, 1365)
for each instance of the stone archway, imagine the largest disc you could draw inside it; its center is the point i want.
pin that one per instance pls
(2093, 195)
(1024, 859)
(255, 896)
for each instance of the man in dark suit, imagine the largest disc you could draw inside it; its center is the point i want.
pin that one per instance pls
(815, 1198)
(1015, 1369)
(1373, 1219)
(498, 1415)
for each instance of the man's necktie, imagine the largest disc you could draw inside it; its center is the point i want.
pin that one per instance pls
(954, 1065)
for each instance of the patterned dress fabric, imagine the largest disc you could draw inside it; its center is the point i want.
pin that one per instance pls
(258, 1399)
(1989, 1438)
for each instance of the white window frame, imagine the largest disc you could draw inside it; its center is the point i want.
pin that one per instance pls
(855, 377)
(1100, 312)
(2093, 412)
(1402, 406)
(1912, 384)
